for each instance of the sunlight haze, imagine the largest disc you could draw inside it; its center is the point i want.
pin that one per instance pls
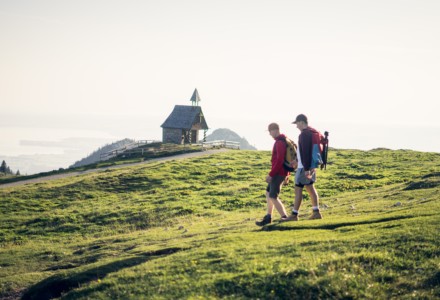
(367, 71)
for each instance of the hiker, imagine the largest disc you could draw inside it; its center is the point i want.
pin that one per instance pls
(276, 177)
(309, 158)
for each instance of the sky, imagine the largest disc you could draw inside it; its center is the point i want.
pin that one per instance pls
(78, 74)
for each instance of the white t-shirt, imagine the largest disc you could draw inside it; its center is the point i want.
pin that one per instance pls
(298, 154)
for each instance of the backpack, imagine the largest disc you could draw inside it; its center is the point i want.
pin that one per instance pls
(324, 149)
(291, 155)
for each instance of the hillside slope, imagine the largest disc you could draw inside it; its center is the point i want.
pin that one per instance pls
(186, 229)
(95, 156)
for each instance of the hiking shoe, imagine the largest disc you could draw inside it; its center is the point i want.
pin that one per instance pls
(315, 215)
(266, 220)
(290, 218)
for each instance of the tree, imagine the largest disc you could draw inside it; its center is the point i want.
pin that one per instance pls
(3, 167)
(18, 173)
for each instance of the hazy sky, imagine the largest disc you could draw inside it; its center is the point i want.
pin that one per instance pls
(360, 69)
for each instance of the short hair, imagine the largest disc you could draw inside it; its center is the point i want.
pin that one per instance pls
(273, 126)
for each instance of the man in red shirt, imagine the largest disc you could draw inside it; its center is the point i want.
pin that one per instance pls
(276, 176)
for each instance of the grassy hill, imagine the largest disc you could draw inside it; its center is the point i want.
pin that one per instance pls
(185, 229)
(136, 155)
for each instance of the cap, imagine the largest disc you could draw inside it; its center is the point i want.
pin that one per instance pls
(300, 118)
(273, 126)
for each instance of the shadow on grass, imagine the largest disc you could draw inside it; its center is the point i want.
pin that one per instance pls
(333, 226)
(296, 284)
(55, 286)
(433, 281)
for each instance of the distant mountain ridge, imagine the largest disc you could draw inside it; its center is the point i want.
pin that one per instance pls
(229, 135)
(96, 155)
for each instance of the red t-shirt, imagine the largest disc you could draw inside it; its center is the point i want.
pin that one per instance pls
(278, 154)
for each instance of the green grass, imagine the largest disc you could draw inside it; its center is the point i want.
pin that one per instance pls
(165, 151)
(185, 229)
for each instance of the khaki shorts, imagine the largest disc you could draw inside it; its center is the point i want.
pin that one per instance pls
(301, 180)
(274, 187)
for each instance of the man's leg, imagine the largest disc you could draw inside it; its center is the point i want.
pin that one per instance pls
(298, 198)
(267, 219)
(315, 201)
(275, 190)
(269, 204)
(296, 205)
(279, 206)
(313, 195)
(299, 177)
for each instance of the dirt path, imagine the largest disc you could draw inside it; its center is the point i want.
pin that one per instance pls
(160, 159)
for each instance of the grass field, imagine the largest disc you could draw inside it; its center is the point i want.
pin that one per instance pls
(186, 230)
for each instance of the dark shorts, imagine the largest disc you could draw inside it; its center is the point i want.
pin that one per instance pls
(274, 187)
(301, 180)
